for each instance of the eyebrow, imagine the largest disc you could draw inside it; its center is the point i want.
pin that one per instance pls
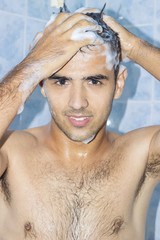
(92, 77)
(58, 77)
(96, 77)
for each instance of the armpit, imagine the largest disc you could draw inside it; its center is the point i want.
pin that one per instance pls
(153, 166)
(5, 187)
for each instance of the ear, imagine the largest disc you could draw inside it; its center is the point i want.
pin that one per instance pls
(122, 75)
(41, 84)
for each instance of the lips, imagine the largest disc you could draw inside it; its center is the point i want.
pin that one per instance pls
(79, 121)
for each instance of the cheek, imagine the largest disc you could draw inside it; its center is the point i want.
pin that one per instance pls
(55, 101)
(103, 105)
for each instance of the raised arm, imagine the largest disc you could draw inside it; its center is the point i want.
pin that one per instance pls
(137, 49)
(59, 42)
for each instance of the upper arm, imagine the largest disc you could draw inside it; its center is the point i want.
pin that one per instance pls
(153, 164)
(3, 152)
(3, 163)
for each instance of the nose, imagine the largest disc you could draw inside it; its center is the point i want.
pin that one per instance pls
(78, 98)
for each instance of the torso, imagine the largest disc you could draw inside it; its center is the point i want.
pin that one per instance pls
(108, 200)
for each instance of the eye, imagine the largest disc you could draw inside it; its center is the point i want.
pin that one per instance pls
(62, 82)
(95, 82)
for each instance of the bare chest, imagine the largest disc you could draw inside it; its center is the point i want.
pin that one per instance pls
(53, 204)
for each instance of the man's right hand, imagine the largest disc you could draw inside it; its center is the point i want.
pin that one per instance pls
(61, 40)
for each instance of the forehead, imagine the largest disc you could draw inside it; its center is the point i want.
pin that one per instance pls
(89, 60)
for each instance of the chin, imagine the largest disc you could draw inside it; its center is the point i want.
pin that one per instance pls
(83, 139)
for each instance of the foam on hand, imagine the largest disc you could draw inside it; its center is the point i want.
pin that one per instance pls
(20, 110)
(35, 40)
(80, 35)
(79, 10)
(52, 19)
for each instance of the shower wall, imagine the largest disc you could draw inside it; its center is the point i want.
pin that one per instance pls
(139, 104)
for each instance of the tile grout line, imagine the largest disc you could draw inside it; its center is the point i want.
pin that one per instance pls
(24, 42)
(19, 15)
(11, 13)
(25, 28)
(38, 19)
(137, 101)
(139, 25)
(154, 34)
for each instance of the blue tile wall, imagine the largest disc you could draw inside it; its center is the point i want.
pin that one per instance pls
(157, 10)
(157, 35)
(138, 84)
(11, 41)
(134, 11)
(139, 104)
(33, 26)
(13, 6)
(39, 9)
(129, 115)
(36, 113)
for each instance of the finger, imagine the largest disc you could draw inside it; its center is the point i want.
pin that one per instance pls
(61, 17)
(83, 26)
(86, 10)
(85, 32)
(93, 10)
(111, 22)
(55, 20)
(88, 38)
(80, 19)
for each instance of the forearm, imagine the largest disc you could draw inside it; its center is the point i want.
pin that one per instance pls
(147, 56)
(15, 88)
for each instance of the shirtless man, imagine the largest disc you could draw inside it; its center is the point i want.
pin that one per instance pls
(54, 186)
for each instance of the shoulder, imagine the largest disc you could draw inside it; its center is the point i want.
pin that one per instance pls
(138, 141)
(19, 140)
(142, 136)
(143, 147)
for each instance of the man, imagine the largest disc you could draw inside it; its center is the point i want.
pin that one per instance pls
(72, 179)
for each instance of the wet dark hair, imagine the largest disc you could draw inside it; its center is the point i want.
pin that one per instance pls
(107, 34)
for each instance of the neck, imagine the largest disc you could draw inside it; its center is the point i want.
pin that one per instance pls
(72, 151)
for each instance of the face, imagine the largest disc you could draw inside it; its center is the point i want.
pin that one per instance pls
(80, 95)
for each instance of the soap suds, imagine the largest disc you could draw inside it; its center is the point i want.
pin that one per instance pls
(35, 40)
(20, 110)
(52, 19)
(27, 84)
(57, 3)
(81, 34)
(89, 139)
(110, 57)
(24, 97)
(79, 10)
(126, 59)
(121, 68)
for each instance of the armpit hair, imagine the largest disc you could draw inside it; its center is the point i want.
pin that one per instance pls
(153, 166)
(5, 187)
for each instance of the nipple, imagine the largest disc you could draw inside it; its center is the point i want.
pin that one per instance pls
(117, 225)
(29, 231)
(28, 227)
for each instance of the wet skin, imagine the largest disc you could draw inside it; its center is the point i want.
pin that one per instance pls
(56, 187)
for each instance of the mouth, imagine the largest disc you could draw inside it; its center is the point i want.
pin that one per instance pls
(79, 121)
